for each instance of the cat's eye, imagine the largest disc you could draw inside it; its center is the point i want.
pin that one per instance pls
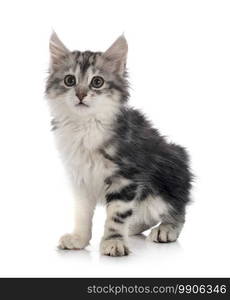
(70, 80)
(97, 82)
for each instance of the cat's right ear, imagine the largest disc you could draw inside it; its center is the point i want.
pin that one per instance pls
(57, 51)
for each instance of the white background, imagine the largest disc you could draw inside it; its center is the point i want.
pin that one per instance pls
(179, 64)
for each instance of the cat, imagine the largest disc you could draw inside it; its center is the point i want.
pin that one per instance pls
(112, 153)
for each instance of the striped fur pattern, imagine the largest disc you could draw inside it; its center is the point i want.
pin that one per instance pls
(112, 153)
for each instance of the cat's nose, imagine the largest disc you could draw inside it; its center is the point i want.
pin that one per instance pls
(81, 95)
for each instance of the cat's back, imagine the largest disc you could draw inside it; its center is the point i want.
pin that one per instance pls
(145, 150)
(135, 133)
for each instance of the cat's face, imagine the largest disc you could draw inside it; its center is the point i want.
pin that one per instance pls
(87, 83)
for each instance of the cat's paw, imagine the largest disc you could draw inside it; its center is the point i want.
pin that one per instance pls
(163, 234)
(114, 247)
(72, 242)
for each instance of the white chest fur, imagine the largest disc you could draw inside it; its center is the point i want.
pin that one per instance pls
(79, 145)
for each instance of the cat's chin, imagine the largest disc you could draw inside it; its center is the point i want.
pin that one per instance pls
(81, 110)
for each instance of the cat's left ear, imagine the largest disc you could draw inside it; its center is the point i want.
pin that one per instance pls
(116, 55)
(57, 50)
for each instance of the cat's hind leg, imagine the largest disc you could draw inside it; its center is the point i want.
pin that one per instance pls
(165, 233)
(169, 228)
(153, 211)
(147, 214)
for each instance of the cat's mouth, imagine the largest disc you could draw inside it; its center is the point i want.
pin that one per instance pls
(81, 104)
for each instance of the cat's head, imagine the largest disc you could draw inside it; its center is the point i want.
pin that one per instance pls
(87, 83)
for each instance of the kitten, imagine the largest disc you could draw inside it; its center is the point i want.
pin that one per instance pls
(112, 153)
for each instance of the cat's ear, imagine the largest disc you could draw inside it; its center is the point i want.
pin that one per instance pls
(57, 50)
(116, 55)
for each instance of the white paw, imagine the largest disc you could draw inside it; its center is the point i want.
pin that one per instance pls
(114, 247)
(72, 241)
(163, 234)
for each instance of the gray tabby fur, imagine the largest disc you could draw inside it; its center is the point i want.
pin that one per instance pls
(112, 153)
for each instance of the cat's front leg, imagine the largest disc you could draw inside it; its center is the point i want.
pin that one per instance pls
(114, 241)
(81, 235)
